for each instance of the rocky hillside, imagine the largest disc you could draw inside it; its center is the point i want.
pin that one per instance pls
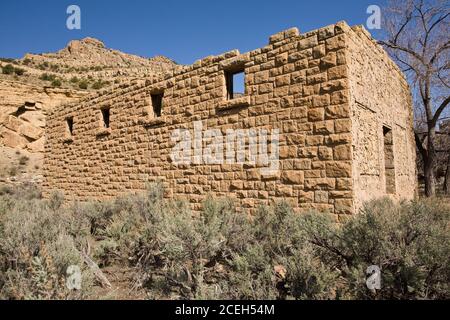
(90, 57)
(30, 86)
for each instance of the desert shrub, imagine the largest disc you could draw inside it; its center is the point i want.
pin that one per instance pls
(47, 77)
(83, 84)
(8, 69)
(56, 83)
(74, 80)
(279, 254)
(106, 252)
(13, 171)
(56, 200)
(117, 225)
(222, 253)
(42, 281)
(97, 85)
(24, 191)
(26, 61)
(43, 66)
(308, 277)
(189, 249)
(409, 242)
(23, 160)
(117, 236)
(19, 71)
(219, 253)
(36, 250)
(275, 237)
(7, 60)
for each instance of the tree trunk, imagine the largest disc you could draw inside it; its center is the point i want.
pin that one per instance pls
(447, 178)
(430, 180)
(430, 165)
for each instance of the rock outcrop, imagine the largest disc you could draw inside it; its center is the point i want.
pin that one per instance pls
(91, 56)
(22, 112)
(51, 79)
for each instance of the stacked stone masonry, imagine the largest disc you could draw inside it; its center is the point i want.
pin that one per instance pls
(332, 93)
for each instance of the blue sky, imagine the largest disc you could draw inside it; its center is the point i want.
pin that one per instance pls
(182, 30)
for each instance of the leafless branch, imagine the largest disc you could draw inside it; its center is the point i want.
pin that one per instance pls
(441, 108)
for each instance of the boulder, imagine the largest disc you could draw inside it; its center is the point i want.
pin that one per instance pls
(30, 131)
(36, 146)
(36, 118)
(12, 123)
(12, 139)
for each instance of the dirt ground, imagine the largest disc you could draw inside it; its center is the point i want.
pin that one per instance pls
(17, 166)
(123, 285)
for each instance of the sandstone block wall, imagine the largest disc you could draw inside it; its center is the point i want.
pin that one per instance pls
(300, 84)
(382, 114)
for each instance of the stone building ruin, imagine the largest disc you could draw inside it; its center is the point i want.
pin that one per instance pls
(342, 108)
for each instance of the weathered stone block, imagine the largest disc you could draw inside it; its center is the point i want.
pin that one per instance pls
(343, 206)
(317, 78)
(338, 72)
(293, 177)
(337, 112)
(320, 184)
(328, 61)
(319, 51)
(325, 153)
(336, 43)
(324, 127)
(343, 125)
(317, 114)
(342, 152)
(307, 43)
(283, 80)
(339, 97)
(334, 85)
(306, 197)
(338, 169)
(321, 101)
(303, 164)
(321, 197)
(314, 140)
(343, 184)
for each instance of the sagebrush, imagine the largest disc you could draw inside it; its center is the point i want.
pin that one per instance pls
(220, 253)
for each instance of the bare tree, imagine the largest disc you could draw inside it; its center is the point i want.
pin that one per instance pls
(417, 37)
